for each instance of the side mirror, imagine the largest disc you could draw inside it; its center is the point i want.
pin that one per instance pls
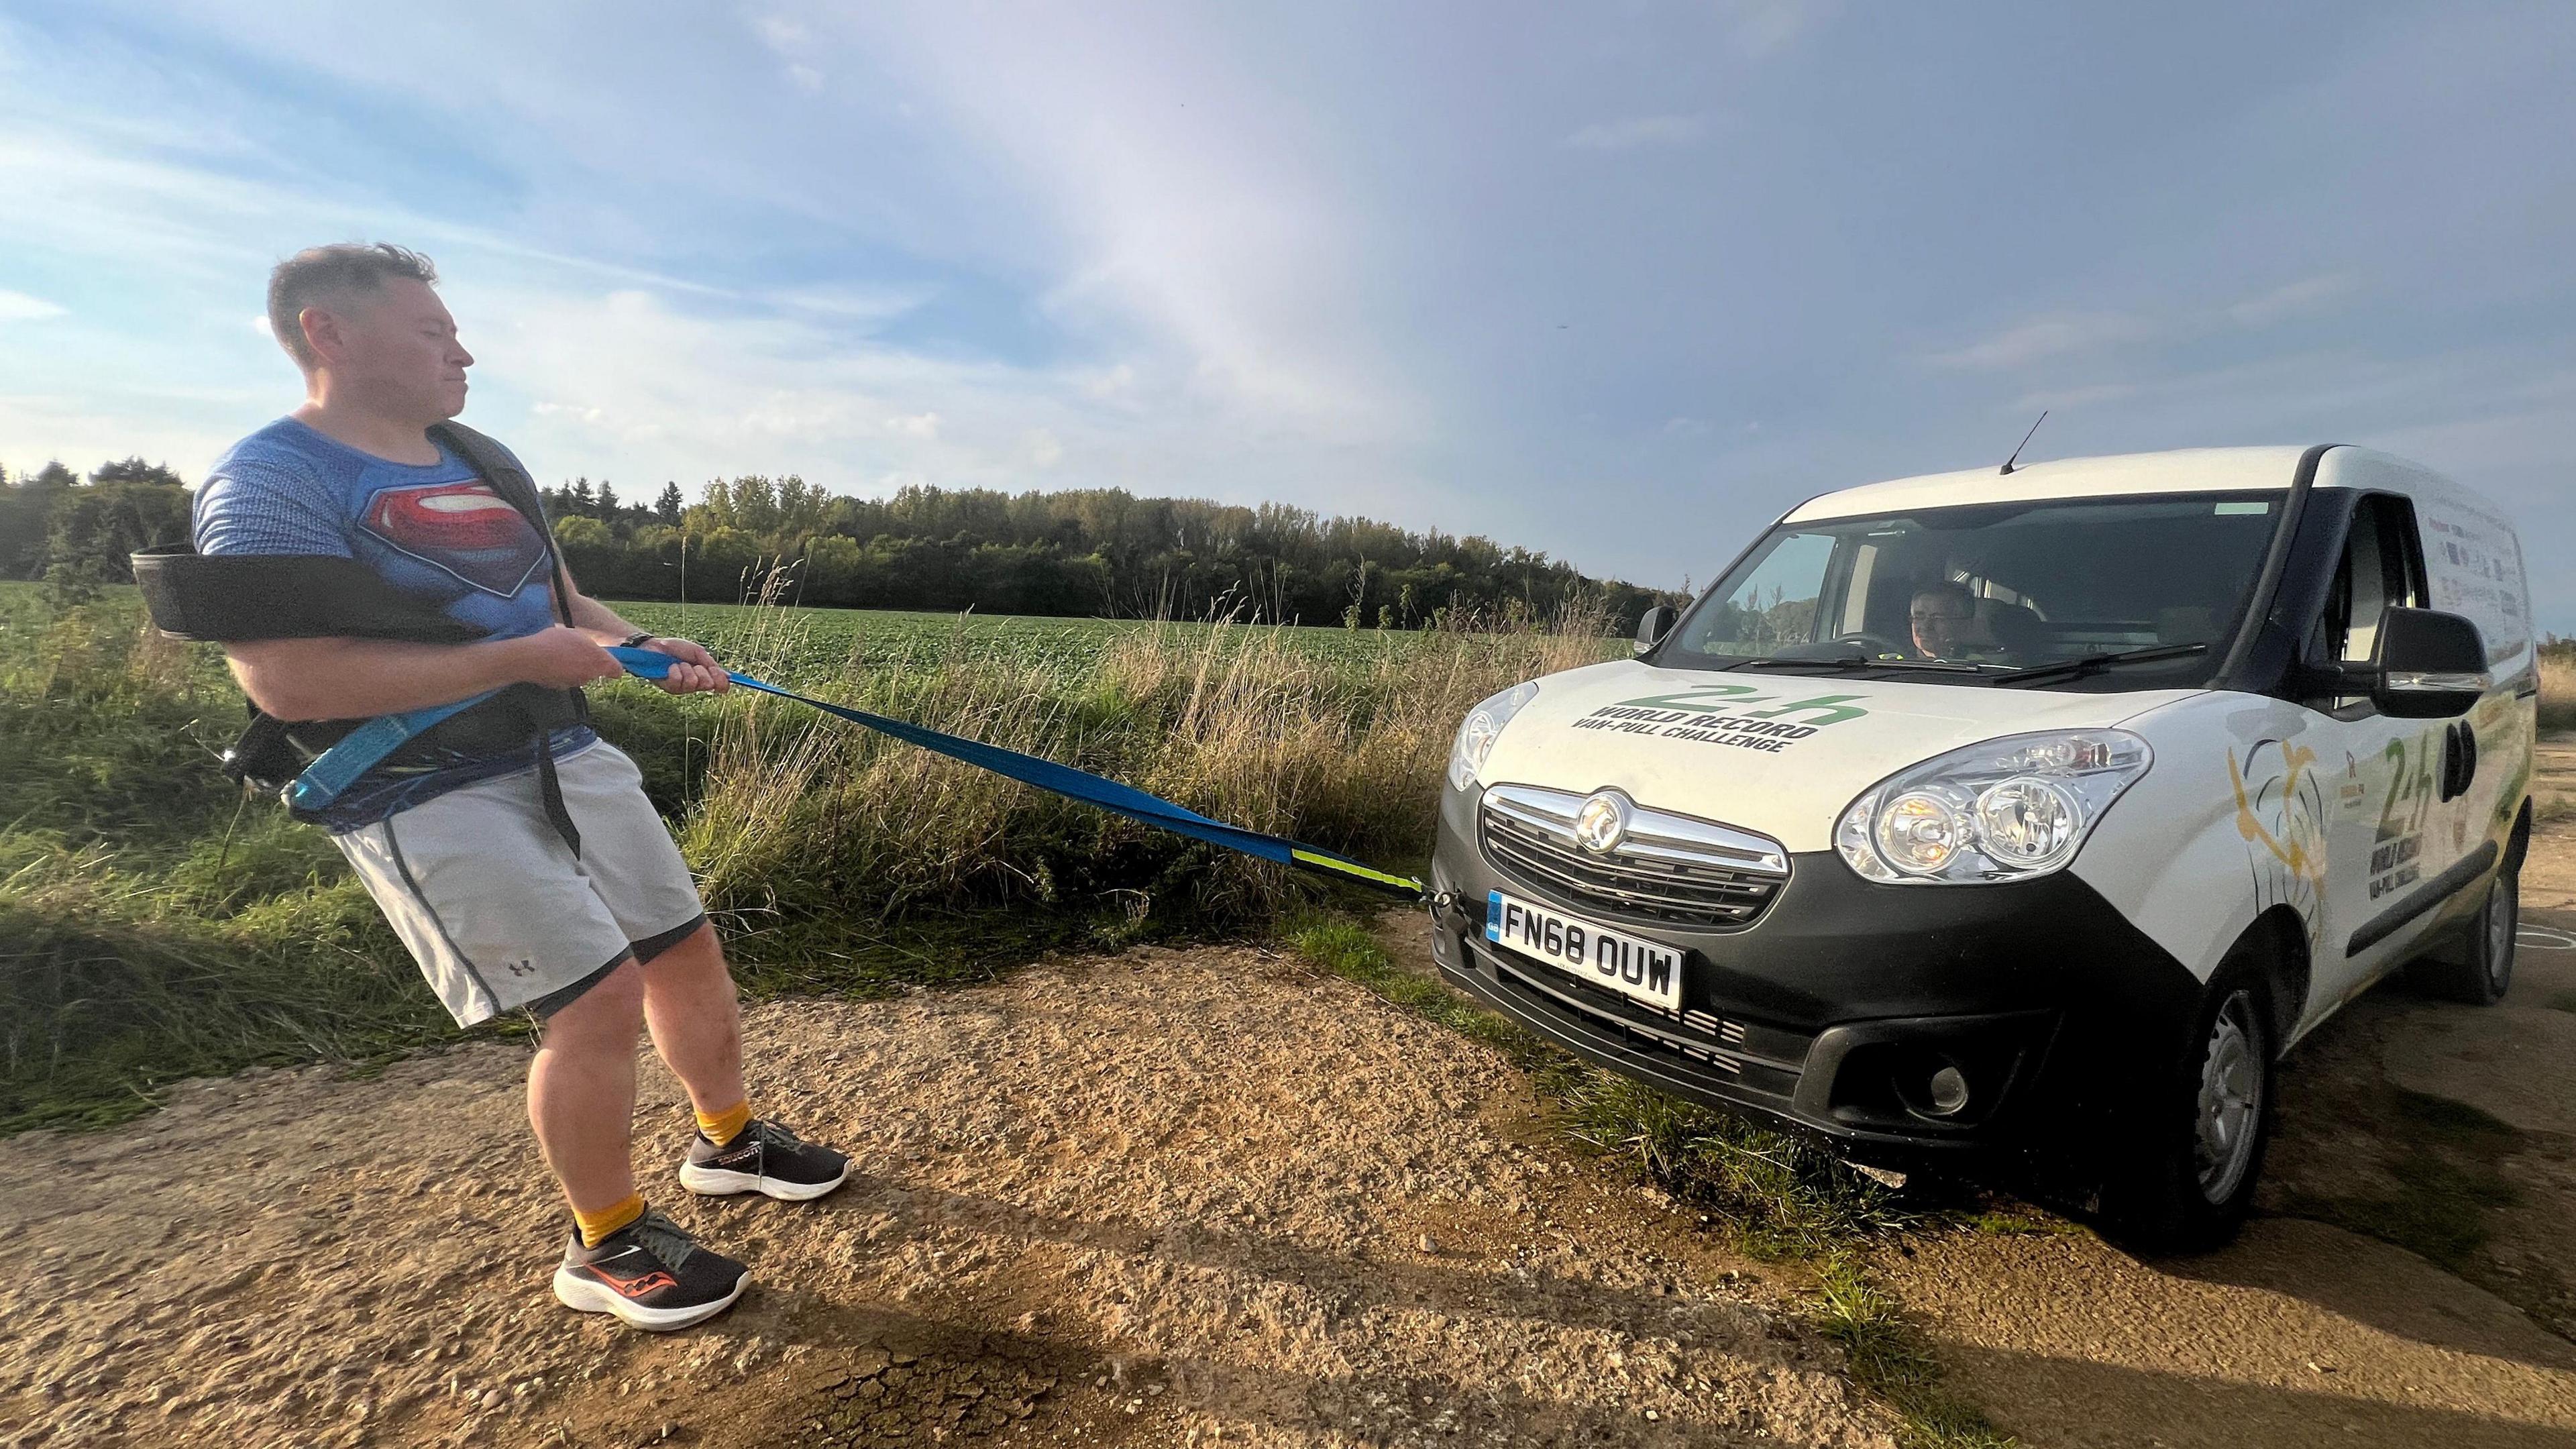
(1653, 625)
(2431, 665)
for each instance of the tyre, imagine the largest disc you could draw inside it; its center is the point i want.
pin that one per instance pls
(2200, 1151)
(2478, 969)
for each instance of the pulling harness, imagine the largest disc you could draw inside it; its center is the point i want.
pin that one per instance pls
(243, 598)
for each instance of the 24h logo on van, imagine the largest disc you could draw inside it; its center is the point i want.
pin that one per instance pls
(1723, 714)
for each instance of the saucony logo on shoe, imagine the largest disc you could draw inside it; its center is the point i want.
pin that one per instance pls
(637, 1286)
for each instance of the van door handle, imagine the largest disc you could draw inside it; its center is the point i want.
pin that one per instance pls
(2459, 759)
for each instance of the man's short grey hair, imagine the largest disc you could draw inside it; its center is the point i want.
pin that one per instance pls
(334, 273)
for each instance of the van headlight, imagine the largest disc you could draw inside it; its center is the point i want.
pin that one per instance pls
(2007, 809)
(1483, 725)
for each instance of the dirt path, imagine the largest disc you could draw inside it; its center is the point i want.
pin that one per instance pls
(1172, 1198)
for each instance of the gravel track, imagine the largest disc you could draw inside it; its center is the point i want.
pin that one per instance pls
(1166, 1198)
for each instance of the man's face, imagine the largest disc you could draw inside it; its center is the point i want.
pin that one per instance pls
(396, 350)
(1940, 622)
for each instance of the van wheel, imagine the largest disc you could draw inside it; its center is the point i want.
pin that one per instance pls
(2193, 1181)
(2479, 969)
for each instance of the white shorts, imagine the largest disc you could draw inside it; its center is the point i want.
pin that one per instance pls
(495, 907)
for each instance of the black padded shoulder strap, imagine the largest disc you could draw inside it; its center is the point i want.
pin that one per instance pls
(514, 485)
(237, 598)
(497, 467)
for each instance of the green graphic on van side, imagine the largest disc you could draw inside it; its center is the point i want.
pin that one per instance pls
(1719, 714)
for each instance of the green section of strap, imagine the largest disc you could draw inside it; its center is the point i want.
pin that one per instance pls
(1344, 867)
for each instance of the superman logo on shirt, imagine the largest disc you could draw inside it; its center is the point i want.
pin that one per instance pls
(463, 529)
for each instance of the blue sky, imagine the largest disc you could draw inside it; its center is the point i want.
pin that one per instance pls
(1618, 281)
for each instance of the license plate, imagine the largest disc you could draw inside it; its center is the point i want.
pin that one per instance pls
(1629, 965)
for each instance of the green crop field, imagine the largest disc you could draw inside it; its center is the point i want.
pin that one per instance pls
(808, 641)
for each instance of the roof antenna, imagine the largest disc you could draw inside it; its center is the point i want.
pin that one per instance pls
(2024, 443)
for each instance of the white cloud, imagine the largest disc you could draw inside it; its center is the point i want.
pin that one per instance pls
(1634, 132)
(853, 303)
(1764, 28)
(2305, 297)
(2065, 334)
(781, 33)
(1043, 449)
(1213, 241)
(19, 307)
(806, 77)
(2051, 336)
(920, 425)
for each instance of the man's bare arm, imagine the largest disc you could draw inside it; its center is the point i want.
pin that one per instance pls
(341, 678)
(697, 671)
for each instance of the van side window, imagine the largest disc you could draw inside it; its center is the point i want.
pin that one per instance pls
(2382, 567)
(1778, 603)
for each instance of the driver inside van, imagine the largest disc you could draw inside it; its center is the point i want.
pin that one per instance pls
(1947, 626)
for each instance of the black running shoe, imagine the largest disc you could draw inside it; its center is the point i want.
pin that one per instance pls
(651, 1275)
(766, 1158)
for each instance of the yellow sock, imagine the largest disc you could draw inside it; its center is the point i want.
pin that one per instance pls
(726, 1125)
(595, 1227)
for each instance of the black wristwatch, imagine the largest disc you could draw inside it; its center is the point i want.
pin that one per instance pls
(637, 640)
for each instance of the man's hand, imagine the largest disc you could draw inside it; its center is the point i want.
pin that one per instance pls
(561, 658)
(697, 671)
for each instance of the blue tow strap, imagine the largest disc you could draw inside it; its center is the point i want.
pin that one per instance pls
(341, 765)
(337, 768)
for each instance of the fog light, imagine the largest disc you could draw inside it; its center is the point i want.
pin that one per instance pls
(1949, 1090)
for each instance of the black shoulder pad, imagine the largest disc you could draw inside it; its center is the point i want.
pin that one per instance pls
(239, 597)
(516, 488)
(493, 461)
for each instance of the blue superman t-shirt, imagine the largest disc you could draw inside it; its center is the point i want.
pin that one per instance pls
(435, 531)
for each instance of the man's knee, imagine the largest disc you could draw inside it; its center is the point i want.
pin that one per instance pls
(695, 953)
(607, 1013)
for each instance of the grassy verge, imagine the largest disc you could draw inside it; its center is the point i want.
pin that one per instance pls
(1890, 1359)
(1777, 1197)
(154, 925)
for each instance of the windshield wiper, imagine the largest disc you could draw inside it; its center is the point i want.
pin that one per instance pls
(2088, 663)
(1941, 666)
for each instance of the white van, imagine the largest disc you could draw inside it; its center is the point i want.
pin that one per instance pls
(2028, 814)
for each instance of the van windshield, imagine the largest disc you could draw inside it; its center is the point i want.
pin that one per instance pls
(1969, 594)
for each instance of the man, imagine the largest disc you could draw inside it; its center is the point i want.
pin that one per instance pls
(512, 850)
(1946, 626)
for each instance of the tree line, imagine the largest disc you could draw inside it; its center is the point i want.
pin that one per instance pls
(1080, 552)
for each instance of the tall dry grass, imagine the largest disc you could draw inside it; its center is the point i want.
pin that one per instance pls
(804, 816)
(2557, 691)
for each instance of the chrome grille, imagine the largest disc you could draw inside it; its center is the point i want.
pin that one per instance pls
(1667, 869)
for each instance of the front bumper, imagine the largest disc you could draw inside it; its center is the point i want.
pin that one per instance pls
(1830, 1012)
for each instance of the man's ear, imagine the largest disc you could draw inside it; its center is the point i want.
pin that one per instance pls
(322, 333)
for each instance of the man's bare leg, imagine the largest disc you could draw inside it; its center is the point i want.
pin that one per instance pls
(696, 1020)
(625, 1261)
(581, 1091)
(695, 1016)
